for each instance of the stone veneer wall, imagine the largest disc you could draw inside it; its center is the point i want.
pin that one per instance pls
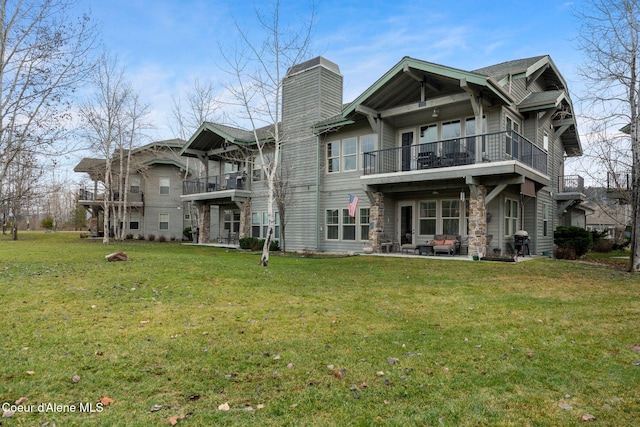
(477, 220)
(245, 220)
(376, 216)
(204, 210)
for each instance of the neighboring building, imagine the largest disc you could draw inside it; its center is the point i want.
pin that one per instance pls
(154, 189)
(427, 149)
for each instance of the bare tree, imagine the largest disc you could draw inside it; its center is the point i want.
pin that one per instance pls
(610, 39)
(258, 70)
(283, 195)
(105, 118)
(44, 58)
(200, 105)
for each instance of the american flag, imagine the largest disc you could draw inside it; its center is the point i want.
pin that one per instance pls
(353, 204)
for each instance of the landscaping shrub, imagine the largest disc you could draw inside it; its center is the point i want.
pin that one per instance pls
(129, 237)
(140, 237)
(187, 233)
(603, 245)
(575, 238)
(564, 253)
(162, 239)
(255, 244)
(151, 237)
(47, 223)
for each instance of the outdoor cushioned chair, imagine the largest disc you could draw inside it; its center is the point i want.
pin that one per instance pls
(445, 243)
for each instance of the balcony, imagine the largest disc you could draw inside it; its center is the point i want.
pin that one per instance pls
(619, 185)
(571, 184)
(89, 198)
(471, 150)
(213, 189)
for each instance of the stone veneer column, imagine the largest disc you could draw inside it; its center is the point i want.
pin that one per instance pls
(376, 215)
(245, 220)
(477, 220)
(204, 225)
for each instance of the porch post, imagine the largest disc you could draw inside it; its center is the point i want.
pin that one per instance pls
(376, 216)
(204, 212)
(245, 219)
(477, 220)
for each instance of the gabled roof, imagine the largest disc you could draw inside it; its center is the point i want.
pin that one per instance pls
(529, 68)
(537, 101)
(215, 136)
(410, 82)
(89, 165)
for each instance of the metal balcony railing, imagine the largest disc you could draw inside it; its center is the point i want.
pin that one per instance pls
(571, 184)
(619, 181)
(209, 184)
(491, 147)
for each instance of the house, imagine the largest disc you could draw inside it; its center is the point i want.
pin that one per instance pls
(154, 188)
(427, 149)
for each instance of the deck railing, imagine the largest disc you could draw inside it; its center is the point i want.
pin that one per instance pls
(571, 184)
(619, 181)
(484, 148)
(210, 184)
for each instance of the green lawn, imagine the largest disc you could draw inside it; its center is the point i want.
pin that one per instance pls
(333, 341)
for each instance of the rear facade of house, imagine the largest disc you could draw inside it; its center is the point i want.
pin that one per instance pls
(426, 150)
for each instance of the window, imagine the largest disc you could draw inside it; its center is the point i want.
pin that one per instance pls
(134, 221)
(350, 154)
(134, 186)
(348, 225)
(545, 141)
(332, 224)
(545, 219)
(260, 225)
(255, 225)
(231, 220)
(365, 215)
(451, 216)
(333, 157)
(451, 130)
(163, 221)
(165, 184)
(511, 209)
(257, 173)
(428, 214)
(367, 143)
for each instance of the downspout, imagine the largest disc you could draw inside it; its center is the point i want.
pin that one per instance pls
(317, 193)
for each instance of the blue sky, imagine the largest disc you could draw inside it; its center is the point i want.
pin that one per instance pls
(165, 44)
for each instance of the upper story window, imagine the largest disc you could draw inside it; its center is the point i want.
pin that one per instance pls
(545, 141)
(350, 154)
(451, 130)
(258, 172)
(165, 185)
(333, 156)
(134, 184)
(343, 155)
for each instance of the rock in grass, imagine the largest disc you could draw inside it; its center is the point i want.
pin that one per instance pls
(117, 256)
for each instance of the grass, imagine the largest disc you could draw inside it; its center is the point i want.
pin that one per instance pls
(303, 342)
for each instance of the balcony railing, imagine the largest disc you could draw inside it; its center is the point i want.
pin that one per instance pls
(492, 147)
(571, 184)
(132, 197)
(209, 184)
(619, 181)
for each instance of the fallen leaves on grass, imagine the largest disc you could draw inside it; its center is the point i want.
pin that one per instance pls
(588, 417)
(224, 407)
(106, 400)
(21, 400)
(635, 347)
(76, 378)
(174, 420)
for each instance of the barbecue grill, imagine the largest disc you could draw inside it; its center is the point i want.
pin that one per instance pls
(521, 242)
